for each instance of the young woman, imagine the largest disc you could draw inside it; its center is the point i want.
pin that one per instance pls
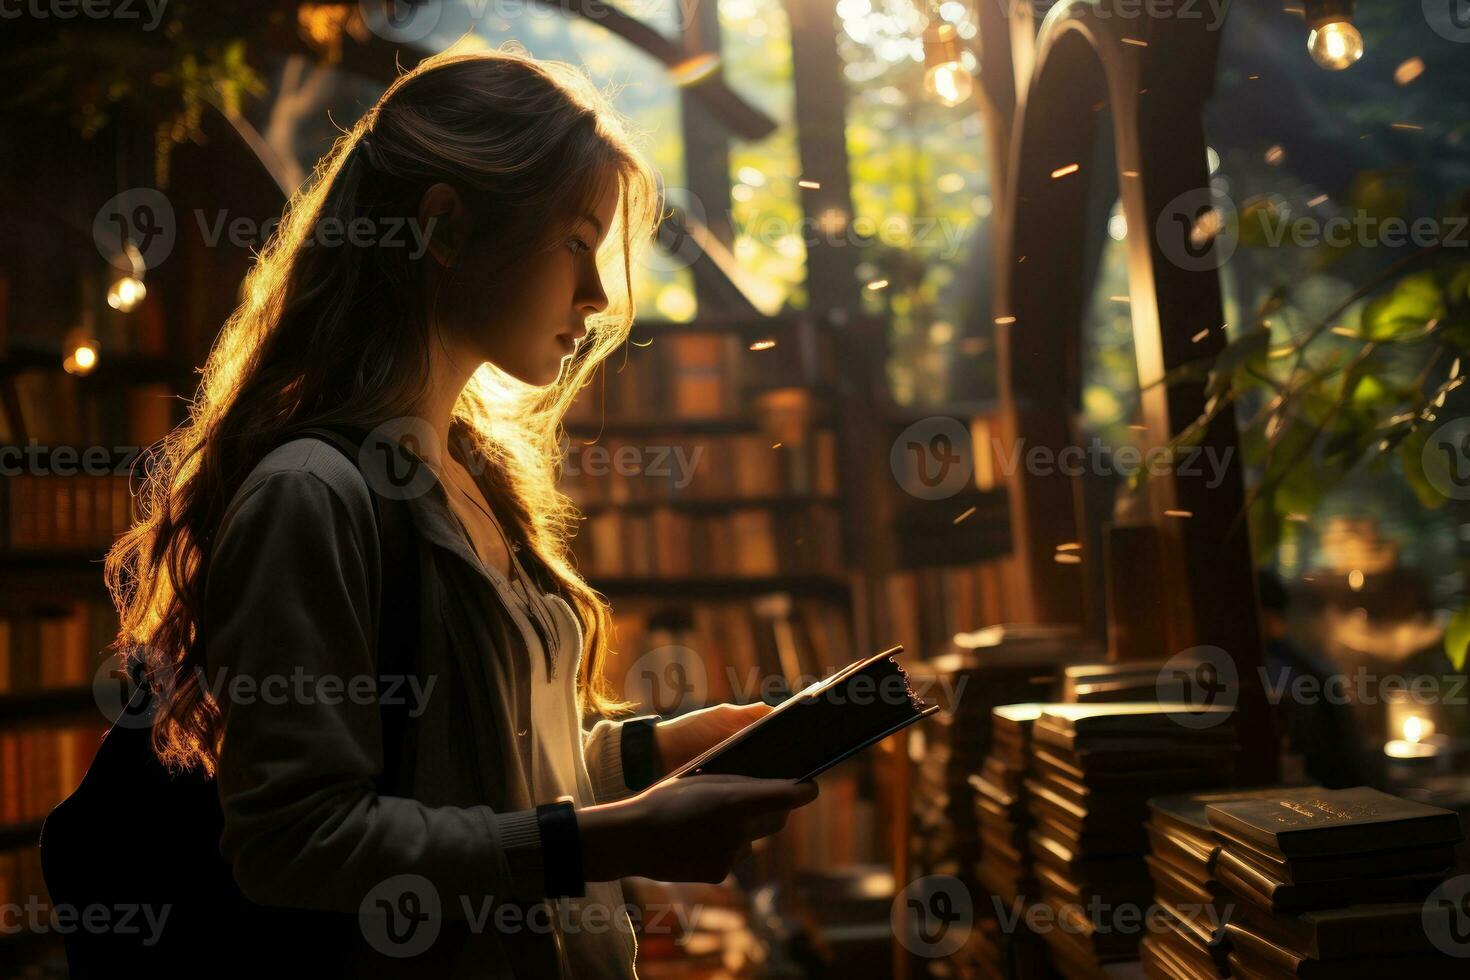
(255, 580)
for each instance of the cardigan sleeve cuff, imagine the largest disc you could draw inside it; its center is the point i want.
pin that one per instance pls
(520, 840)
(619, 768)
(604, 748)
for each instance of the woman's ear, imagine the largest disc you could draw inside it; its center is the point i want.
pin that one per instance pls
(444, 222)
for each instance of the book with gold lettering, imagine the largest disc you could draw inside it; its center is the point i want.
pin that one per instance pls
(1317, 822)
(821, 725)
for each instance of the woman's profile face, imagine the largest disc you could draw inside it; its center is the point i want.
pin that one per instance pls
(529, 326)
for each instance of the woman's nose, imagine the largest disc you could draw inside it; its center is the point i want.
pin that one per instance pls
(592, 298)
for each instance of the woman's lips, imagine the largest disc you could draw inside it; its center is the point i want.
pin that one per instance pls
(565, 339)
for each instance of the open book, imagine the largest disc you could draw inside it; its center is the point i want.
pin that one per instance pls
(820, 725)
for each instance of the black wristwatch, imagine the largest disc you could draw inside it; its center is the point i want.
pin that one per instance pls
(642, 766)
(561, 849)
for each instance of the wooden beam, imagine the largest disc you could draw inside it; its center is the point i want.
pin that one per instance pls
(1155, 84)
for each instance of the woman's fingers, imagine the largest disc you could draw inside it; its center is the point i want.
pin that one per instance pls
(765, 825)
(764, 794)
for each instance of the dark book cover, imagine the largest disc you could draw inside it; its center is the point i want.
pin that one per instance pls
(1385, 929)
(1046, 763)
(1127, 839)
(999, 773)
(1313, 823)
(1257, 955)
(1015, 720)
(1124, 873)
(1138, 718)
(1171, 767)
(1249, 882)
(1178, 887)
(1166, 960)
(1183, 814)
(988, 791)
(1088, 813)
(1195, 939)
(1077, 938)
(1183, 854)
(1402, 860)
(821, 725)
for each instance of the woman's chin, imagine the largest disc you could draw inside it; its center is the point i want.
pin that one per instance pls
(539, 375)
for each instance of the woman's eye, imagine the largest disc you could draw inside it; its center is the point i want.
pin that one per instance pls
(580, 246)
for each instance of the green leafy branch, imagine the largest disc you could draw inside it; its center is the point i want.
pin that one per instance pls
(1332, 394)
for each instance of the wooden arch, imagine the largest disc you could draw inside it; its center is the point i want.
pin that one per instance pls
(1155, 75)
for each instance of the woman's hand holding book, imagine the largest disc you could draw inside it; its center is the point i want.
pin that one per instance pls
(687, 736)
(691, 829)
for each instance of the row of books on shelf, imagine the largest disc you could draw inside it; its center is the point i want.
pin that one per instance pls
(21, 878)
(929, 607)
(836, 829)
(55, 651)
(690, 375)
(56, 512)
(745, 542)
(682, 467)
(39, 767)
(59, 409)
(676, 657)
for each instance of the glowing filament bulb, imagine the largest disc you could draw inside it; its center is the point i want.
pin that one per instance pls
(1335, 45)
(946, 79)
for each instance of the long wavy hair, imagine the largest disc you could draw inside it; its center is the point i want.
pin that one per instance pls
(341, 335)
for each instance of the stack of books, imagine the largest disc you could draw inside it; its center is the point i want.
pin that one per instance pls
(1336, 883)
(1000, 803)
(1127, 680)
(1093, 769)
(1188, 939)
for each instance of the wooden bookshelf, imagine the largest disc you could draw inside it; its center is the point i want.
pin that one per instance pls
(114, 370)
(774, 458)
(805, 586)
(715, 505)
(70, 444)
(49, 708)
(23, 834)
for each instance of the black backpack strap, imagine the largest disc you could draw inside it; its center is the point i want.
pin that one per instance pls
(398, 608)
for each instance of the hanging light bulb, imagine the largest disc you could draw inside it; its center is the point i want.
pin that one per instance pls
(946, 79)
(81, 356)
(1334, 42)
(126, 293)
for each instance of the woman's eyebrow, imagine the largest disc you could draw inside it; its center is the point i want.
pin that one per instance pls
(593, 218)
